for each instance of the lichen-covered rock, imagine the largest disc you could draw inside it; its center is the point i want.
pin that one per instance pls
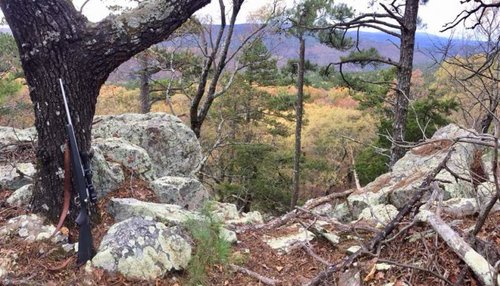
(381, 214)
(131, 156)
(14, 176)
(294, 234)
(342, 212)
(171, 145)
(225, 211)
(108, 176)
(31, 228)
(247, 218)
(21, 197)
(360, 201)
(186, 192)
(10, 136)
(122, 209)
(142, 249)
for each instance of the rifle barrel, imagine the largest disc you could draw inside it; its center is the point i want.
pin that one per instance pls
(65, 101)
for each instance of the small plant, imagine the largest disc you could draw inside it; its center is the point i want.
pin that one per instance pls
(211, 248)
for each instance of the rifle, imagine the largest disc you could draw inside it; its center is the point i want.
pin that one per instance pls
(85, 195)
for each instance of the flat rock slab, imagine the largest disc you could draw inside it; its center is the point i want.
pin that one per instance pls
(186, 192)
(122, 209)
(293, 235)
(142, 249)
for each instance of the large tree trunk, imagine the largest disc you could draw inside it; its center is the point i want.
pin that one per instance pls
(299, 107)
(56, 41)
(404, 79)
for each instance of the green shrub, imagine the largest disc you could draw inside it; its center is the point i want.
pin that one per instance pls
(211, 248)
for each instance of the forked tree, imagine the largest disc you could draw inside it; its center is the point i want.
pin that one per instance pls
(57, 41)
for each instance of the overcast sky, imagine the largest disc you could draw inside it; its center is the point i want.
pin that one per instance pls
(434, 14)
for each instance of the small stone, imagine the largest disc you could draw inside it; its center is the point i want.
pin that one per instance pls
(23, 232)
(382, 266)
(67, 247)
(228, 235)
(353, 249)
(334, 239)
(43, 235)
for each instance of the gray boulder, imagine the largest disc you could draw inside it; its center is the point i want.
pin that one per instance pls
(131, 156)
(186, 192)
(21, 197)
(171, 145)
(108, 176)
(142, 249)
(14, 176)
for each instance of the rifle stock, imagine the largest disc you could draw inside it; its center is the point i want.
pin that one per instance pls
(85, 247)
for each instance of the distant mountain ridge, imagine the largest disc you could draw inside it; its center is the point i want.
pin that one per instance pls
(285, 48)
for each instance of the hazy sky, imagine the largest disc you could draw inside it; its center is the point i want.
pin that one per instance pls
(434, 14)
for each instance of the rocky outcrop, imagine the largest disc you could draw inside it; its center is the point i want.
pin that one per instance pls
(186, 192)
(393, 190)
(142, 249)
(171, 145)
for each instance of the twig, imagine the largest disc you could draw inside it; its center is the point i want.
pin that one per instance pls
(263, 279)
(314, 255)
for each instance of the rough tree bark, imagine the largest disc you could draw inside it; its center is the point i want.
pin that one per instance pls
(56, 41)
(408, 28)
(299, 106)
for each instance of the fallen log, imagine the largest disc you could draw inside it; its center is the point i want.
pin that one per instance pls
(478, 264)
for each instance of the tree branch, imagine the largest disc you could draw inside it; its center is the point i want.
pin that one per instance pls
(133, 31)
